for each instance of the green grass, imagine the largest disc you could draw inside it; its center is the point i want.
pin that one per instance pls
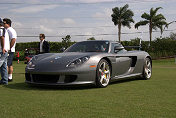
(154, 98)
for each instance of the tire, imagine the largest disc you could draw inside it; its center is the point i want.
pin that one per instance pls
(147, 70)
(103, 74)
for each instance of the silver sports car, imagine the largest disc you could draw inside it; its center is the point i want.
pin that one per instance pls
(88, 62)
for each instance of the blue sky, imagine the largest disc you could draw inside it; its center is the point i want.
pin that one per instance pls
(81, 19)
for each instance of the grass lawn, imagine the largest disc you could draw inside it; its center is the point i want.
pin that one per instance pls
(154, 98)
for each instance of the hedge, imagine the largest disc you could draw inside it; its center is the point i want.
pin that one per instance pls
(55, 47)
(158, 48)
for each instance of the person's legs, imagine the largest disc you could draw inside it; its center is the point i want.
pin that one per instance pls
(4, 73)
(3, 68)
(10, 67)
(10, 71)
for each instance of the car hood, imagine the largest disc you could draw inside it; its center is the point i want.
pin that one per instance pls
(55, 61)
(61, 57)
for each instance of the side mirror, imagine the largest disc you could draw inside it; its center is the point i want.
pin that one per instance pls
(118, 48)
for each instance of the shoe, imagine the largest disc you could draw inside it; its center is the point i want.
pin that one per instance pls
(10, 80)
(3, 83)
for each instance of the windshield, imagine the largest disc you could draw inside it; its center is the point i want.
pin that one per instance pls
(89, 46)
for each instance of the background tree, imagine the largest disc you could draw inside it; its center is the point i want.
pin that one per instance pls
(66, 42)
(122, 17)
(92, 38)
(154, 21)
(173, 36)
(164, 26)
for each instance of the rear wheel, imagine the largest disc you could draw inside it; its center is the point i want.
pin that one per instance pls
(147, 71)
(103, 74)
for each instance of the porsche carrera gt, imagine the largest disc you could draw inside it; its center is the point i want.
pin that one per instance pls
(88, 62)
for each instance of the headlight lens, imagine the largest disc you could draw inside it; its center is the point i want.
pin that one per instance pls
(78, 62)
(34, 58)
(31, 64)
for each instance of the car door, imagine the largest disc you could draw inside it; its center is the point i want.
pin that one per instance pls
(121, 63)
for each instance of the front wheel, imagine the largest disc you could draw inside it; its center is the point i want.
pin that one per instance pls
(103, 74)
(147, 71)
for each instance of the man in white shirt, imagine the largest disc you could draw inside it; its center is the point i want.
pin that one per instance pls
(4, 48)
(12, 38)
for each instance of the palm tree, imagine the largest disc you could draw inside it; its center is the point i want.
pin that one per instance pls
(153, 19)
(164, 25)
(122, 17)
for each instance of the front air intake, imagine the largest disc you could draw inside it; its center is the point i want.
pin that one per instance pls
(45, 78)
(70, 78)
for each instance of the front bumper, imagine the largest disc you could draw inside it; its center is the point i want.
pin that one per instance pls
(61, 78)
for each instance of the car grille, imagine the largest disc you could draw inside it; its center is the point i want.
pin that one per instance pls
(38, 78)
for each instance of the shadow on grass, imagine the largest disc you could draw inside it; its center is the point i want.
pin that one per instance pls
(25, 86)
(127, 80)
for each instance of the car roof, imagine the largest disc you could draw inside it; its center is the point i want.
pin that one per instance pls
(110, 41)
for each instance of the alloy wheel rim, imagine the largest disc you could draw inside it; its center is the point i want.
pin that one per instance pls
(104, 73)
(148, 69)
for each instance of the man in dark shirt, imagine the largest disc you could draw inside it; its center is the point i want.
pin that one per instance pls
(43, 45)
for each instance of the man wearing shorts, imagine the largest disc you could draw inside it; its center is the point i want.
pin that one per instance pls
(12, 38)
(4, 48)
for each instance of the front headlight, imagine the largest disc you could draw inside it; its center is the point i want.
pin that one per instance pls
(31, 64)
(34, 58)
(78, 62)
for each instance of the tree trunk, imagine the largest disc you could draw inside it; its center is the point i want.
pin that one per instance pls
(119, 32)
(150, 33)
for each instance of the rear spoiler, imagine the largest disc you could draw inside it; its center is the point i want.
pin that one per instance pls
(135, 47)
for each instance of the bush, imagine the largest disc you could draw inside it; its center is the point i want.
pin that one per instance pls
(159, 48)
(164, 47)
(54, 47)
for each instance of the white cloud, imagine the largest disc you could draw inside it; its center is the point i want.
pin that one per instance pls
(98, 14)
(34, 9)
(100, 1)
(95, 1)
(106, 12)
(45, 29)
(68, 21)
(93, 17)
(88, 33)
(88, 1)
(17, 24)
(146, 0)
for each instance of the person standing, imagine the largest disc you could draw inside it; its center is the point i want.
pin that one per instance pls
(12, 37)
(4, 48)
(43, 45)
